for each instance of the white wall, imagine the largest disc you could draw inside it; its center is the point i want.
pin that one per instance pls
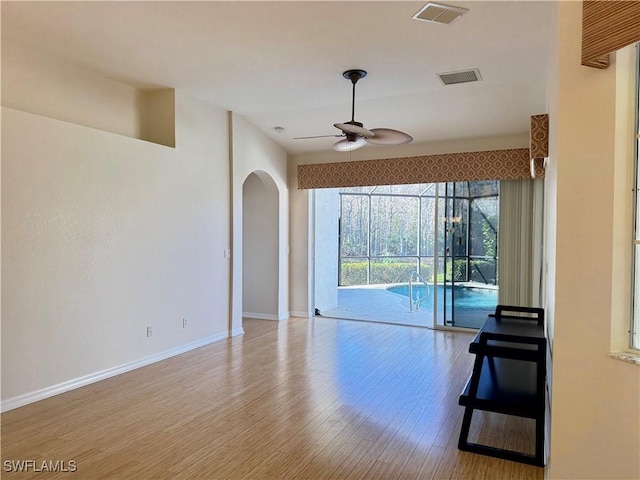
(36, 82)
(253, 151)
(260, 248)
(595, 399)
(326, 206)
(550, 211)
(103, 235)
(301, 239)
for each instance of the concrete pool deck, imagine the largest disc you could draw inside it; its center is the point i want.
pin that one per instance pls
(375, 303)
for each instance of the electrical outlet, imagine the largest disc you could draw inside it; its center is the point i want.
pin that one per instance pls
(185, 322)
(149, 332)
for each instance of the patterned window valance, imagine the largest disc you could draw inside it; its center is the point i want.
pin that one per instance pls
(539, 142)
(451, 167)
(608, 26)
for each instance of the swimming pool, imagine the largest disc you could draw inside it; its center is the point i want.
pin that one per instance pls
(466, 298)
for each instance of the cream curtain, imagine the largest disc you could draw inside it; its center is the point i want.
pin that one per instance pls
(519, 242)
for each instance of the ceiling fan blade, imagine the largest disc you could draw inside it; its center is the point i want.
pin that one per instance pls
(316, 136)
(354, 129)
(347, 146)
(388, 136)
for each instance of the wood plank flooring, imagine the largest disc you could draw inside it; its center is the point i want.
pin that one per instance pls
(301, 399)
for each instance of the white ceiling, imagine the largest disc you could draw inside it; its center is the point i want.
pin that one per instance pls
(281, 63)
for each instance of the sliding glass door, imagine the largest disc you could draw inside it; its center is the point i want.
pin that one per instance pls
(467, 243)
(420, 254)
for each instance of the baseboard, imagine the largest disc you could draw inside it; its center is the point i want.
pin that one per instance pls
(237, 331)
(260, 316)
(299, 314)
(47, 392)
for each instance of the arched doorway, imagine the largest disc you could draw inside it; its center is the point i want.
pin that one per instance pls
(260, 247)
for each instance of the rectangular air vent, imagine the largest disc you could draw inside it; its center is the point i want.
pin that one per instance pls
(439, 13)
(463, 76)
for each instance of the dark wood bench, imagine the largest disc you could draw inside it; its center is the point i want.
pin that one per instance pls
(508, 377)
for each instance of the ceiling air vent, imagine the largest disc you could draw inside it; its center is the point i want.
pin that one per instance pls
(463, 76)
(439, 13)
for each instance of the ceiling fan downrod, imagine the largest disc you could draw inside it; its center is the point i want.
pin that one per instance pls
(354, 76)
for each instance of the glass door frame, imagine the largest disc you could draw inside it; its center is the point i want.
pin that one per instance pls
(440, 306)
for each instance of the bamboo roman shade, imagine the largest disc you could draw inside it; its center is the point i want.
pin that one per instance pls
(608, 26)
(509, 164)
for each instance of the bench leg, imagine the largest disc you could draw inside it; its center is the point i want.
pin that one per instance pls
(466, 446)
(463, 441)
(540, 438)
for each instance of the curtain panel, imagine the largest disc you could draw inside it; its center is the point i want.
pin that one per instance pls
(519, 242)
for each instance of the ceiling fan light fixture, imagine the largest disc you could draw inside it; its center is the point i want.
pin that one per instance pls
(348, 146)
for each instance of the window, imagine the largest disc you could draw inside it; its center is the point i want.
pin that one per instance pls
(635, 326)
(388, 232)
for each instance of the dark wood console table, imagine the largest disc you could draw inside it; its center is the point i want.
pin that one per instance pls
(508, 377)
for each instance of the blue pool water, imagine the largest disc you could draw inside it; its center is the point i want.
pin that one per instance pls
(468, 298)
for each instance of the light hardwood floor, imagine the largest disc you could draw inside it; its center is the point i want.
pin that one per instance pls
(300, 399)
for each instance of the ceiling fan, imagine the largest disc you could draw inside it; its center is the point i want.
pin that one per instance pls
(354, 135)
